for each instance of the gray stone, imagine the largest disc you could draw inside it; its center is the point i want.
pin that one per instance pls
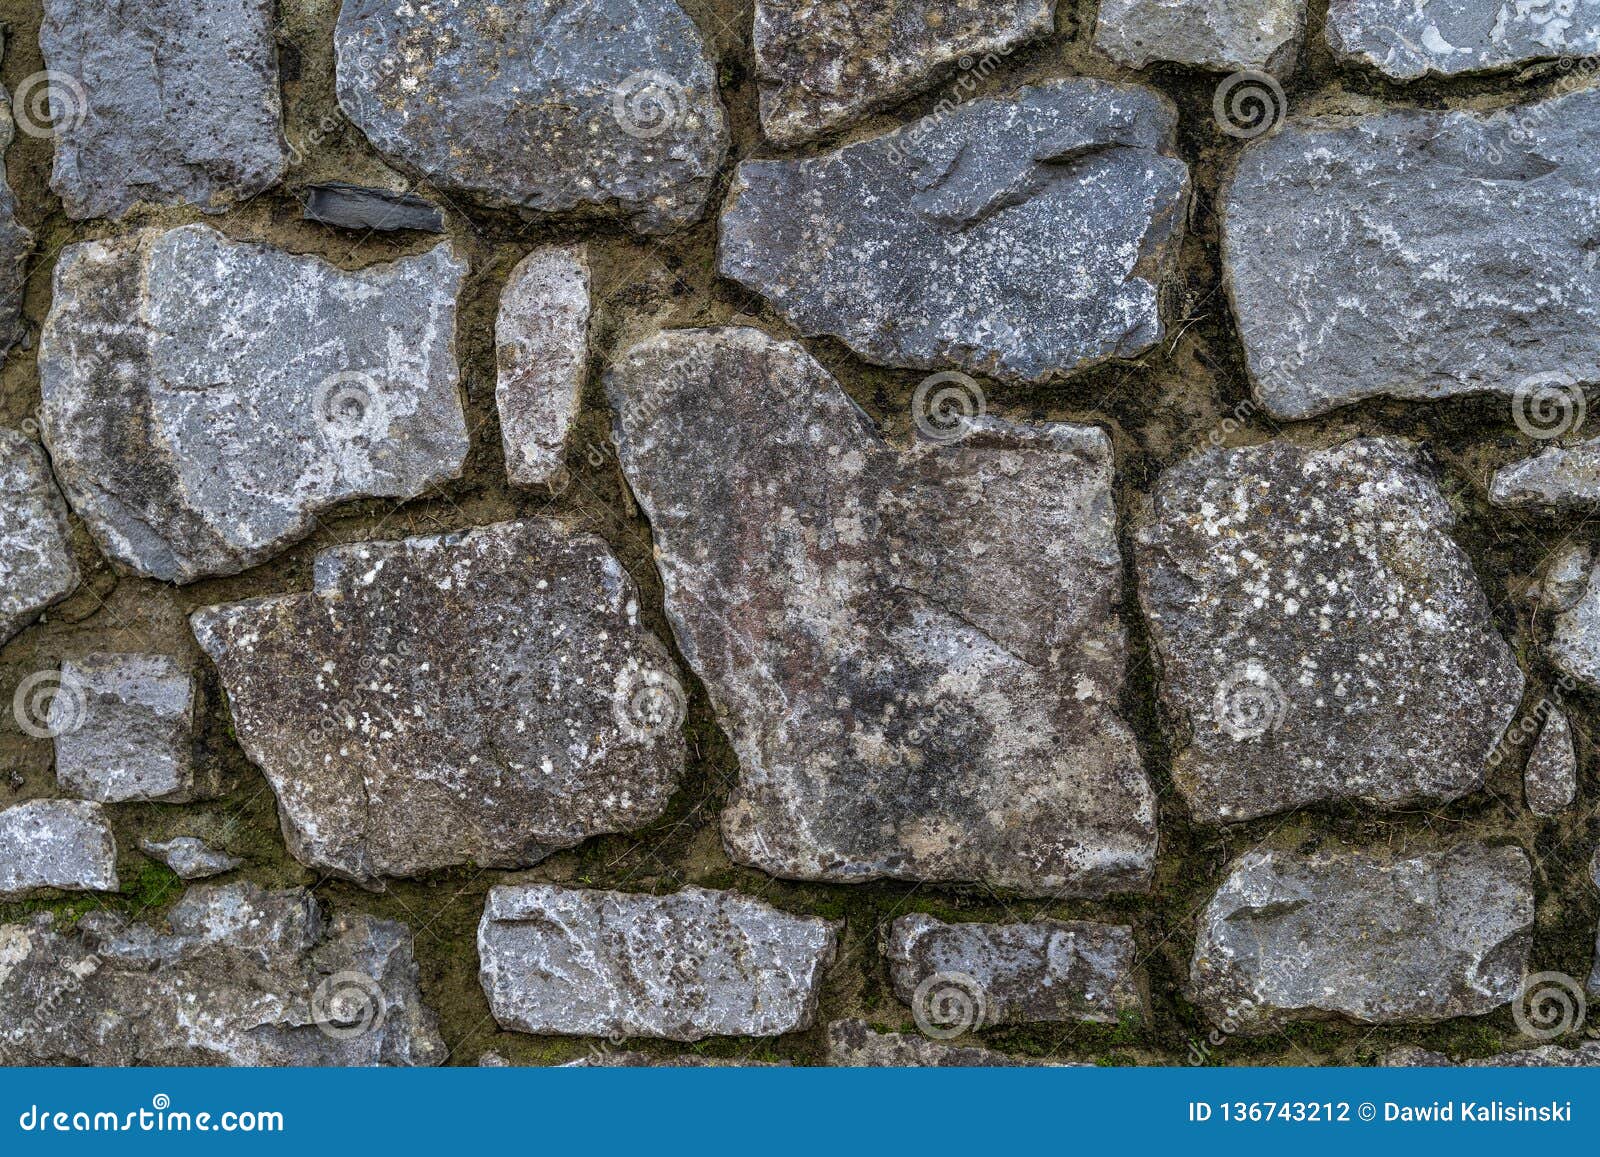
(1022, 238)
(591, 107)
(1557, 478)
(1551, 778)
(162, 102)
(854, 1044)
(487, 697)
(55, 843)
(37, 569)
(1453, 254)
(243, 977)
(194, 444)
(1572, 597)
(1406, 39)
(190, 857)
(824, 63)
(988, 974)
(611, 1058)
(360, 207)
(1320, 634)
(541, 338)
(1369, 936)
(16, 241)
(1252, 34)
(1584, 1055)
(917, 655)
(1594, 973)
(697, 963)
(124, 729)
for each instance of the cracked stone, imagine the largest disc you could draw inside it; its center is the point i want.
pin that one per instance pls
(1551, 778)
(854, 1044)
(55, 843)
(541, 338)
(1320, 634)
(1447, 37)
(822, 65)
(191, 857)
(595, 107)
(487, 696)
(1453, 254)
(583, 962)
(37, 569)
(1557, 478)
(1572, 597)
(243, 977)
(360, 207)
(162, 102)
(1254, 34)
(125, 729)
(865, 243)
(917, 655)
(194, 445)
(1372, 937)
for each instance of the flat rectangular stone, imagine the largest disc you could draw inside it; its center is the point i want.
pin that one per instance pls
(127, 728)
(56, 843)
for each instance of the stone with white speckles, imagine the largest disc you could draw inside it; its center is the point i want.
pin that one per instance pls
(487, 696)
(1585, 1054)
(1373, 937)
(56, 843)
(124, 729)
(1406, 39)
(205, 399)
(1320, 634)
(1571, 595)
(1557, 478)
(916, 654)
(1252, 34)
(1454, 254)
(191, 857)
(16, 241)
(1023, 238)
(541, 337)
(693, 964)
(855, 1044)
(1551, 778)
(37, 569)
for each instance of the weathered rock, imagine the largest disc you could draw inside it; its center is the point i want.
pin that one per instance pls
(1060, 206)
(1255, 34)
(854, 1044)
(124, 729)
(37, 569)
(244, 977)
(162, 102)
(1373, 937)
(541, 338)
(597, 106)
(1046, 970)
(1551, 777)
(1446, 37)
(16, 241)
(1594, 973)
(1558, 478)
(1321, 636)
(610, 1058)
(486, 696)
(1584, 1055)
(360, 207)
(190, 857)
(824, 64)
(697, 963)
(194, 444)
(1452, 252)
(55, 843)
(917, 655)
(1572, 597)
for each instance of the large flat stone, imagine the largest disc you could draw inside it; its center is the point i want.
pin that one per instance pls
(697, 963)
(37, 569)
(56, 843)
(1320, 634)
(917, 655)
(487, 697)
(1245, 34)
(125, 729)
(1060, 207)
(541, 338)
(1413, 38)
(194, 444)
(854, 1044)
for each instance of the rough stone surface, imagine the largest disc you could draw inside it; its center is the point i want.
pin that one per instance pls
(37, 569)
(193, 444)
(1453, 254)
(244, 977)
(1046, 970)
(1571, 596)
(1254, 34)
(1370, 936)
(487, 696)
(824, 63)
(1320, 634)
(162, 102)
(1551, 778)
(55, 843)
(610, 1058)
(1557, 478)
(1594, 974)
(359, 207)
(1406, 39)
(191, 857)
(541, 338)
(694, 964)
(16, 240)
(596, 106)
(1584, 1055)
(1022, 238)
(125, 729)
(854, 1044)
(916, 655)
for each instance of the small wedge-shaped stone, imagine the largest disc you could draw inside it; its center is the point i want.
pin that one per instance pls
(205, 400)
(854, 1044)
(191, 857)
(124, 729)
(1375, 937)
(541, 338)
(1243, 34)
(587, 107)
(1571, 595)
(1046, 970)
(362, 208)
(37, 569)
(1551, 778)
(1396, 302)
(237, 976)
(697, 963)
(1321, 636)
(1557, 478)
(917, 655)
(487, 696)
(1060, 206)
(1406, 39)
(824, 63)
(56, 843)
